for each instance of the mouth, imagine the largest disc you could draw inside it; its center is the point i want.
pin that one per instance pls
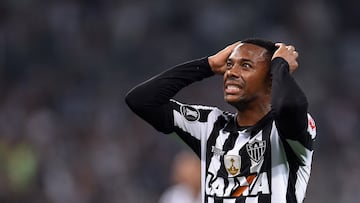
(231, 88)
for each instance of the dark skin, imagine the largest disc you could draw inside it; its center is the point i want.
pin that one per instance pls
(247, 83)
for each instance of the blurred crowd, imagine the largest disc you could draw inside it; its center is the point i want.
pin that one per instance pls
(66, 134)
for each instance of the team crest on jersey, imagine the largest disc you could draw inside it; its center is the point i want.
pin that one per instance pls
(190, 113)
(256, 150)
(232, 164)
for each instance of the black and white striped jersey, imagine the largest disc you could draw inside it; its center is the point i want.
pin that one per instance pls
(254, 165)
(269, 162)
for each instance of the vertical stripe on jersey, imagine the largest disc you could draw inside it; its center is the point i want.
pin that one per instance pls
(252, 200)
(279, 168)
(218, 125)
(191, 141)
(203, 166)
(303, 175)
(218, 201)
(240, 150)
(264, 198)
(267, 160)
(228, 145)
(294, 164)
(229, 201)
(240, 200)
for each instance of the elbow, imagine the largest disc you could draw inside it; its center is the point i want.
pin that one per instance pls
(160, 117)
(133, 101)
(129, 100)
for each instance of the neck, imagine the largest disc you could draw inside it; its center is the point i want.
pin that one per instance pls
(250, 116)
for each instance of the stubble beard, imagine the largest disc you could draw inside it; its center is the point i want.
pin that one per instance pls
(242, 104)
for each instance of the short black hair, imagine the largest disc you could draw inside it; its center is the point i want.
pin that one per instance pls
(267, 44)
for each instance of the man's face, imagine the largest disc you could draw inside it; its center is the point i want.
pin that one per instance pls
(247, 81)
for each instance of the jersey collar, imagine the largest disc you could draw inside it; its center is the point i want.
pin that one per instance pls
(232, 125)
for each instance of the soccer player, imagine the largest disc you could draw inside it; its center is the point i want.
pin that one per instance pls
(260, 154)
(186, 180)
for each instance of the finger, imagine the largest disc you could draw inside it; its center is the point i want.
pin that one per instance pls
(279, 44)
(290, 48)
(232, 46)
(295, 65)
(296, 54)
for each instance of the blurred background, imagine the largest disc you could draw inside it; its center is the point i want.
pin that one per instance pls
(66, 134)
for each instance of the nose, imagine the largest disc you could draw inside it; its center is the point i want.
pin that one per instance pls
(233, 71)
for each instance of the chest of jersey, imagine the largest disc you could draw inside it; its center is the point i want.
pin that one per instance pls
(238, 164)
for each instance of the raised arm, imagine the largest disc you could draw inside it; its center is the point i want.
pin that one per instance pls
(288, 101)
(151, 99)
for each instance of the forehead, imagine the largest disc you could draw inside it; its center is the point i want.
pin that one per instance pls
(248, 51)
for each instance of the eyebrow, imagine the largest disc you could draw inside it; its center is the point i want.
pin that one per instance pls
(241, 60)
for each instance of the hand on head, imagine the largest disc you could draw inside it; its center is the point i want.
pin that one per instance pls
(218, 61)
(289, 54)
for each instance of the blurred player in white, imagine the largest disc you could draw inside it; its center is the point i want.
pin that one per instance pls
(186, 180)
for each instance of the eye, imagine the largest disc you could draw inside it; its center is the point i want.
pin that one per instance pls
(246, 65)
(229, 65)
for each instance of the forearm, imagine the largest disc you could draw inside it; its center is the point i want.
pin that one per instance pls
(289, 102)
(151, 99)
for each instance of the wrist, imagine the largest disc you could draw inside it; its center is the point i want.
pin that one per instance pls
(210, 62)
